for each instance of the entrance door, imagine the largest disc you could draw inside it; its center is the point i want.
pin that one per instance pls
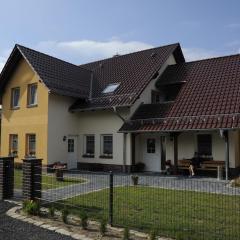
(152, 153)
(72, 152)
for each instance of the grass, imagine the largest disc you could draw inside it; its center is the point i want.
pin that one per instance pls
(48, 181)
(191, 215)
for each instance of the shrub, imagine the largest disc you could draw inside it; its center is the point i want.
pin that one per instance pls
(126, 234)
(31, 207)
(135, 179)
(51, 211)
(65, 213)
(84, 219)
(153, 234)
(103, 227)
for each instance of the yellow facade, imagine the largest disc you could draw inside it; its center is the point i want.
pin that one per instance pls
(25, 120)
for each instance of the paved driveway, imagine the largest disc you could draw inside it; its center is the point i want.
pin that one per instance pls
(12, 229)
(95, 182)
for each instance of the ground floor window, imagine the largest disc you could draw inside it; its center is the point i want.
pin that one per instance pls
(151, 145)
(204, 144)
(107, 145)
(89, 144)
(31, 145)
(13, 144)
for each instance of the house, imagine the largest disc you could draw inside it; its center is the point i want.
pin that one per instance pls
(145, 107)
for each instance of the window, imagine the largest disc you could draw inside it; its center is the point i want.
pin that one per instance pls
(31, 145)
(90, 144)
(204, 144)
(15, 94)
(111, 88)
(107, 145)
(13, 145)
(32, 95)
(70, 145)
(151, 145)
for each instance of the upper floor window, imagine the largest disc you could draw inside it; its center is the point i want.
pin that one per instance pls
(31, 145)
(111, 88)
(13, 145)
(89, 144)
(107, 145)
(204, 144)
(32, 94)
(15, 95)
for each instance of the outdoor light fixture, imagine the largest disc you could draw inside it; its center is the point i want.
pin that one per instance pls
(64, 138)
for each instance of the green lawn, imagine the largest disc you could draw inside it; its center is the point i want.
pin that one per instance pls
(172, 212)
(48, 181)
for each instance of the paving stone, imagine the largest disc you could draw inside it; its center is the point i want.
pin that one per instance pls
(63, 231)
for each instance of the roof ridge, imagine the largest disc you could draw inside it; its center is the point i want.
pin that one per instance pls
(21, 46)
(210, 58)
(124, 55)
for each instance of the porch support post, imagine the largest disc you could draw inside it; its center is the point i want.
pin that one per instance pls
(124, 152)
(175, 148)
(133, 142)
(226, 139)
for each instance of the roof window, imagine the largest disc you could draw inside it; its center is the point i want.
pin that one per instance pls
(111, 88)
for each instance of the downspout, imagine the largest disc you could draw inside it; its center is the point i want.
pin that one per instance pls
(124, 141)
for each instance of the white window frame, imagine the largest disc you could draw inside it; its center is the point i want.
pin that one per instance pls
(30, 98)
(102, 145)
(13, 92)
(28, 149)
(85, 145)
(13, 150)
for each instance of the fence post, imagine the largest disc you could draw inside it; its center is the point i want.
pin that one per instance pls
(6, 177)
(111, 198)
(32, 178)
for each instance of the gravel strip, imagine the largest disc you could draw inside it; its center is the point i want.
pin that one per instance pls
(13, 229)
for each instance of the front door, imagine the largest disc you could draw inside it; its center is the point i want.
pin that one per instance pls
(72, 152)
(152, 153)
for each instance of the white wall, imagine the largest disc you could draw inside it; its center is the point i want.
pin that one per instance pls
(60, 123)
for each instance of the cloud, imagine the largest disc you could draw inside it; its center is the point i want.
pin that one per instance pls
(192, 54)
(233, 25)
(88, 50)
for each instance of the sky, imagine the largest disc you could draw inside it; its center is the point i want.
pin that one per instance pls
(80, 31)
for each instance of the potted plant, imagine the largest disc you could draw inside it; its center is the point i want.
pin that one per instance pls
(135, 179)
(59, 168)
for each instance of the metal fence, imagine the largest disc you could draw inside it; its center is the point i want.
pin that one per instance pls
(176, 207)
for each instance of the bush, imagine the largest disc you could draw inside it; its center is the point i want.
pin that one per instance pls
(65, 213)
(31, 207)
(126, 234)
(103, 227)
(51, 211)
(135, 179)
(153, 234)
(140, 166)
(84, 219)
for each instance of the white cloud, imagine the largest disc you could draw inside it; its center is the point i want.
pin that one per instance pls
(88, 50)
(192, 54)
(2, 62)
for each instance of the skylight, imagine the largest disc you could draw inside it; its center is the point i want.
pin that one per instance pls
(111, 88)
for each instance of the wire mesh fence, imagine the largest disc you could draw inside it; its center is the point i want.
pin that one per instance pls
(174, 206)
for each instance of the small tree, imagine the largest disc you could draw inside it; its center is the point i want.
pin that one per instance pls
(103, 227)
(65, 214)
(126, 234)
(153, 234)
(84, 219)
(51, 211)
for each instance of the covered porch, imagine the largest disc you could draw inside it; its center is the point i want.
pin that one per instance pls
(217, 148)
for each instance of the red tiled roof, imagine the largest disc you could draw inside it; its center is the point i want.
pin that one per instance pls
(133, 71)
(210, 98)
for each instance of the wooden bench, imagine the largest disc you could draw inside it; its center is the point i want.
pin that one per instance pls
(208, 165)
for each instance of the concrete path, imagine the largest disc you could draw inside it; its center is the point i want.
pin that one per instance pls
(95, 182)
